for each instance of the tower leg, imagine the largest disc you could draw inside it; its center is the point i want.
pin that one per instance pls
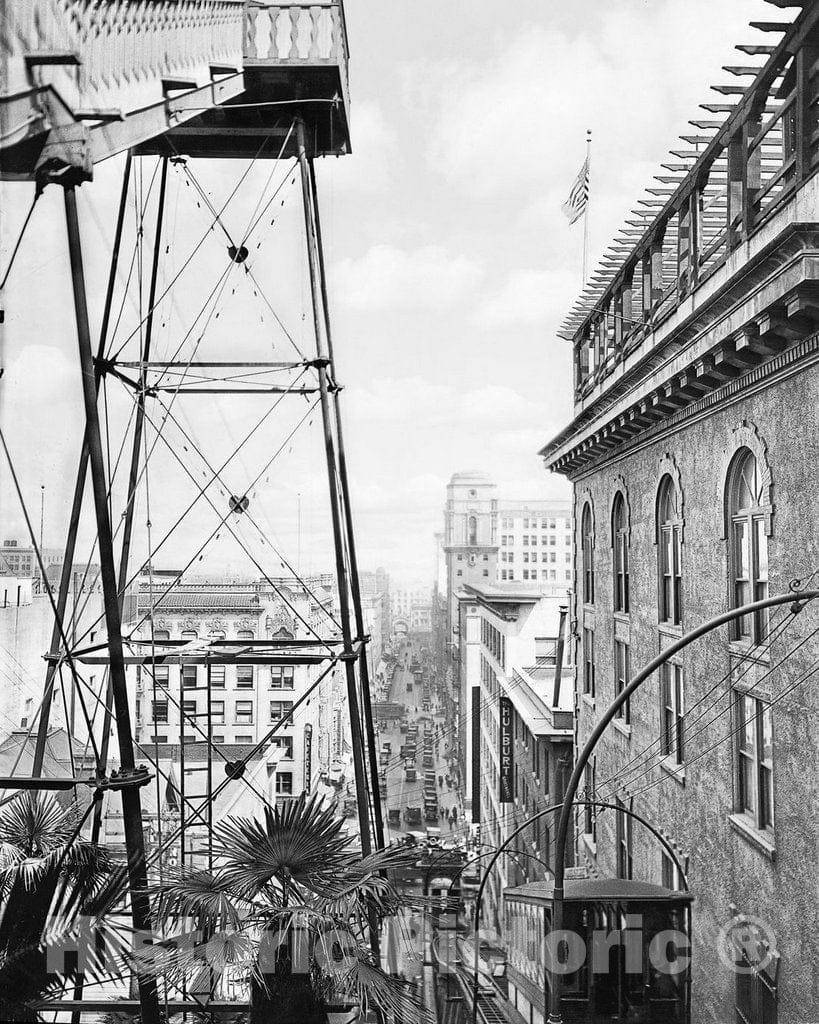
(131, 805)
(366, 701)
(76, 510)
(323, 363)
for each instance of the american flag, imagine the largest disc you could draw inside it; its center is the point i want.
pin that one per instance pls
(575, 205)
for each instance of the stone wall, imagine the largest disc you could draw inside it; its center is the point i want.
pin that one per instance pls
(725, 867)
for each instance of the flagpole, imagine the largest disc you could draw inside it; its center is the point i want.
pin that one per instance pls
(586, 208)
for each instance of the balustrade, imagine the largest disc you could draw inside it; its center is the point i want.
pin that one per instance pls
(746, 173)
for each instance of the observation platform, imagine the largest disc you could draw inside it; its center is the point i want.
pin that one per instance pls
(207, 78)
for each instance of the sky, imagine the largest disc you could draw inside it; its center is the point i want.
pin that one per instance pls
(450, 268)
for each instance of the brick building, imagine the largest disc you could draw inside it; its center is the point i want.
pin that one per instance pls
(693, 452)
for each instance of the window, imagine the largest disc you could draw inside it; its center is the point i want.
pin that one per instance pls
(217, 712)
(622, 671)
(748, 553)
(587, 541)
(619, 540)
(669, 541)
(279, 709)
(189, 708)
(216, 673)
(672, 712)
(159, 710)
(285, 744)
(459, 573)
(244, 712)
(757, 975)
(158, 738)
(218, 738)
(473, 531)
(244, 739)
(754, 760)
(623, 834)
(189, 677)
(281, 677)
(588, 662)
(244, 673)
(671, 878)
(161, 672)
(589, 814)
(284, 784)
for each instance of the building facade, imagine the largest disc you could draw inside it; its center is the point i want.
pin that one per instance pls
(21, 559)
(181, 708)
(694, 451)
(518, 730)
(536, 544)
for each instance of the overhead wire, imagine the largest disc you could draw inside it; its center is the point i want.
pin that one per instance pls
(255, 561)
(265, 537)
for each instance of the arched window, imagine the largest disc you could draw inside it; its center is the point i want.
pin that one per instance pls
(619, 537)
(748, 555)
(587, 544)
(669, 541)
(473, 531)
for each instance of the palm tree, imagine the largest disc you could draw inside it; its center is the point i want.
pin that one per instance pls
(50, 882)
(290, 905)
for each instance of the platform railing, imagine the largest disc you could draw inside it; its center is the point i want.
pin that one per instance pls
(120, 48)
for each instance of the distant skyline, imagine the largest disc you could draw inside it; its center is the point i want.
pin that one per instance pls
(451, 266)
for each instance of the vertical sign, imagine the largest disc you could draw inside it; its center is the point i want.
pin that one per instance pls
(308, 756)
(475, 767)
(507, 763)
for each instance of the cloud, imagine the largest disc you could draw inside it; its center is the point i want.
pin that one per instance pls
(427, 279)
(375, 153)
(527, 297)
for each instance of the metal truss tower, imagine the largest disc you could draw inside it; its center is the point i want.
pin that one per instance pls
(211, 79)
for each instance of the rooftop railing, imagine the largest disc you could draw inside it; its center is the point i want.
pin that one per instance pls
(718, 193)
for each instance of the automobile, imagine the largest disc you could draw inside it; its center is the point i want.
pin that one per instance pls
(350, 807)
(413, 815)
(394, 815)
(411, 774)
(433, 833)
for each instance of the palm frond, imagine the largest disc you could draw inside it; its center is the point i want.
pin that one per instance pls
(364, 883)
(302, 840)
(36, 824)
(202, 895)
(372, 988)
